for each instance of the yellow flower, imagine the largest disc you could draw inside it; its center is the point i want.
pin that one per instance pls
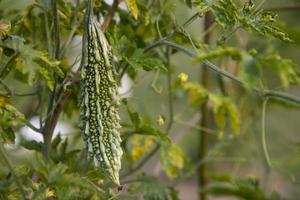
(50, 193)
(161, 120)
(182, 77)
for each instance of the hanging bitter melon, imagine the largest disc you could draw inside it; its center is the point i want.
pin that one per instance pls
(99, 101)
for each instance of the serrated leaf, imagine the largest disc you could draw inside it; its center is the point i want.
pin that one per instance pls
(33, 63)
(146, 61)
(226, 13)
(231, 17)
(263, 24)
(10, 118)
(150, 188)
(132, 6)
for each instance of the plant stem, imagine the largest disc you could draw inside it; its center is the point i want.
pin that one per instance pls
(48, 129)
(75, 25)
(261, 92)
(202, 177)
(110, 15)
(263, 133)
(170, 94)
(47, 30)
(56, 30)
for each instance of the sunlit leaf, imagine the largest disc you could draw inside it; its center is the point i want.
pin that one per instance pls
(132, 6)
(171, 157)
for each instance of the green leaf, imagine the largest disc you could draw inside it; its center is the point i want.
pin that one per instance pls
(10, 117)
(244, 188)
(32, 145)
(285, 68)
(144, 127)
(263, 24)
(171, 157)
(250, 70)
(62, 179)
(146, 61)
(150, 188)
(33, 64)
(231, 17)
(134, 117)
(226, 13)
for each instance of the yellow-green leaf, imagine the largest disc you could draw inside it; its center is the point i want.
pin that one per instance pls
(132, 6)
(171, 157)
(4, 28)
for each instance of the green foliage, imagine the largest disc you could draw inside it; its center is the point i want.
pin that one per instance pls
(152, 189)
(247, 188)
(223, 108)
(285, 68)
(230, 16)
(154, 141)
(144, 127)
(10, 118)
(31, 63)
(172, 159)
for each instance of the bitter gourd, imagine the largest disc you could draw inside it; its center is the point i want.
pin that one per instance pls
(99, 100)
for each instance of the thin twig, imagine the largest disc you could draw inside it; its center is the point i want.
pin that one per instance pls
(75, 25)
(110, 15)
(47, 130)
(170, 94)
(31, 126)
(56, 29)
(263, 133)
(47, 30)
